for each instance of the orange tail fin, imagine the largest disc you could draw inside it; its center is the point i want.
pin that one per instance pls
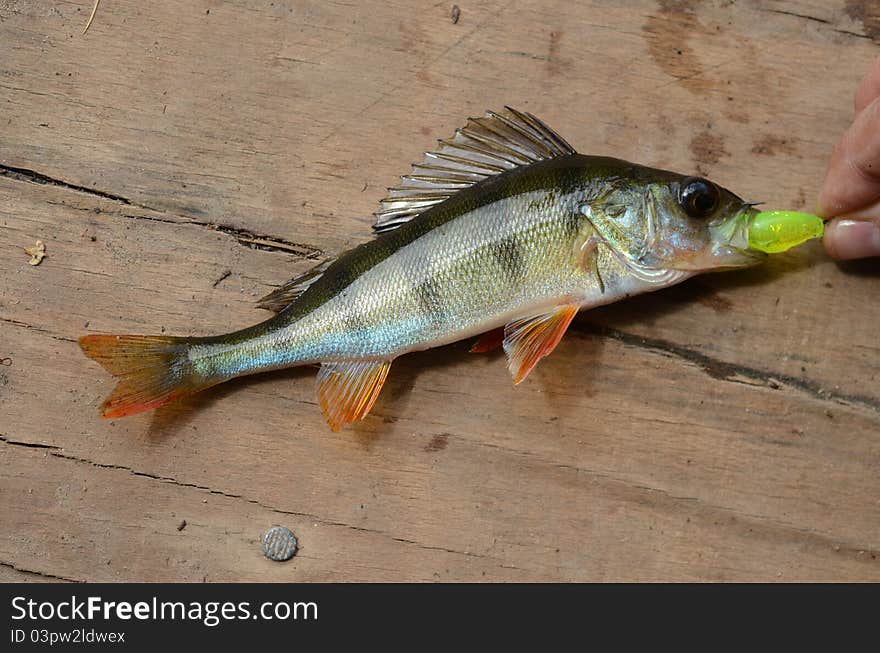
(152, 371)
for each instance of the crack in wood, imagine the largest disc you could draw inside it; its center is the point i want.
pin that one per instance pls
(725, 371)
(244, 237)
(821, 21)
(763, 520)
(699, 504)
(31, 445)
(797, 15)
(31, 327)
(55, 452)
(33, 177)
(42, 574)
(266, 243)
(855, 34)
(226, 274)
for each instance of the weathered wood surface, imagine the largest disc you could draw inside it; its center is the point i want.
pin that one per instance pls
(723, 430)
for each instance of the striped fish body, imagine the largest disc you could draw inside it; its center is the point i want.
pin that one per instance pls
(485, 257)
(485, 240)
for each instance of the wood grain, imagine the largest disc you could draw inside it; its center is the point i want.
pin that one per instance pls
(181, 159)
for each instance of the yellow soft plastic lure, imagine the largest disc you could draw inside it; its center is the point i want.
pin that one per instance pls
(777, 231)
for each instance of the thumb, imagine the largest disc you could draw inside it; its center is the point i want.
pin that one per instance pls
(847, 239)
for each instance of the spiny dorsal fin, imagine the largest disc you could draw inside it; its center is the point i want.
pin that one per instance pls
(483, 147)
(528, 340)
(347, 390)
(281, 297)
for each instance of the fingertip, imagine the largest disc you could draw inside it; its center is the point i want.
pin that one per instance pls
(850, 239)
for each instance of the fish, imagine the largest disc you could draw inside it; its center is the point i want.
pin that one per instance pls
(503, 232)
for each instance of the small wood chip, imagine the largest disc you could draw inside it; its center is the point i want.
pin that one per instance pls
(37, 253)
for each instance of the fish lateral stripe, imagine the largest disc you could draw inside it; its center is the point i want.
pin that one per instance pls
(430, 299)
(509, 256)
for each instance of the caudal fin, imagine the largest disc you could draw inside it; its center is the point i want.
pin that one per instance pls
(152, 371)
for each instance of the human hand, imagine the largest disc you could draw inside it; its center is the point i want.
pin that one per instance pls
(851, 191)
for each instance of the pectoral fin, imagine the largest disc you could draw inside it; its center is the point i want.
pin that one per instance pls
(528, 340)
(347, 390)
(587, 257)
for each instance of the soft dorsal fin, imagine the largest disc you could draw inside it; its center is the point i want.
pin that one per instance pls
(281, 297)
(483, 147)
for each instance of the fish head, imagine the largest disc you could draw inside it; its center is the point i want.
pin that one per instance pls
(655, 220)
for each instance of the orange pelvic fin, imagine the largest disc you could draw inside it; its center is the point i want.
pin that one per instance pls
(152, 371)
(528, 340)
(489, 341)
(347, 390)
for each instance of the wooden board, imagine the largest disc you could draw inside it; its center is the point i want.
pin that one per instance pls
(181, 159)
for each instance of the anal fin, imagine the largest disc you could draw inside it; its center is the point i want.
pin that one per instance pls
(528, 340)
(347, 390)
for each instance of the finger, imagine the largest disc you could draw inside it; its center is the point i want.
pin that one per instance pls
(853, 177)
(868, 213)
(869, 89)
(848, 239)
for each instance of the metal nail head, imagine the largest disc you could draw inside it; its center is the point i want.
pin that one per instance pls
(279, 544)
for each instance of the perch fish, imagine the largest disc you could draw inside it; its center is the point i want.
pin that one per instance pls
(503, 232)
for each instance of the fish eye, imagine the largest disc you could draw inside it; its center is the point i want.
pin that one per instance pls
(698, 197)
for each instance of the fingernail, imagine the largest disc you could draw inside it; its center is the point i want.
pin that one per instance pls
(848, 239)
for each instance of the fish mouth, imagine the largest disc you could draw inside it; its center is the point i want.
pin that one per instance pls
(737, 244)
(730, 244)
